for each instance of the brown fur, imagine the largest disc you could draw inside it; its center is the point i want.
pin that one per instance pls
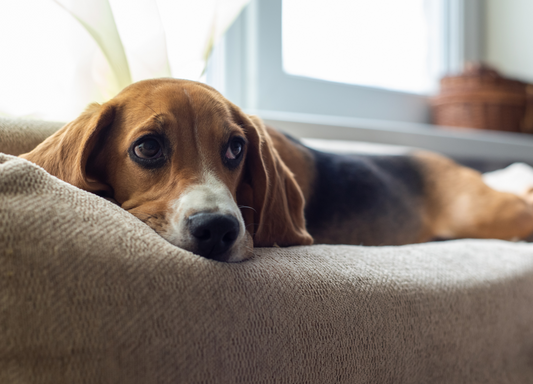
(297, 158)
(92, 153)
(277, 200)
(458, 204)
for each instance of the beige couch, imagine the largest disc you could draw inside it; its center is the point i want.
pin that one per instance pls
(89, 294)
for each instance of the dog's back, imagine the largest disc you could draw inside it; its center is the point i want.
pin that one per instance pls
(398, 199)
(371, 200)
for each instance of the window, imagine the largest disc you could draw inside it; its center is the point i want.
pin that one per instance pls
(380, 43)
(249, 69)
(254, 65)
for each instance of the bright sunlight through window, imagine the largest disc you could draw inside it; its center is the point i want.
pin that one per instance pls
(377, 43)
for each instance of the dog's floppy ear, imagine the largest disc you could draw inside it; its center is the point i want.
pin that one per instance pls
(269, 188)
(65, 153)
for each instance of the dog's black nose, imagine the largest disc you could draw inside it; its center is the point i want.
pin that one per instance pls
(214, 234)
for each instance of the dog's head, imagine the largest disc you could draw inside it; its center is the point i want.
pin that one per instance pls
(188, 163)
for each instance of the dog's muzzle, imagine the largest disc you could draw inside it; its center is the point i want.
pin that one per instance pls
(214, 234)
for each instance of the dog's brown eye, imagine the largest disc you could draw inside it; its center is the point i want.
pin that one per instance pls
(234, 149)
(232, 152)
(148, 149)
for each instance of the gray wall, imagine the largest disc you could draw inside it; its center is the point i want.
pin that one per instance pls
(509, 37)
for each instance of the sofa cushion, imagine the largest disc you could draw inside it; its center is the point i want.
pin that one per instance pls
(18, 136)
(89, 294)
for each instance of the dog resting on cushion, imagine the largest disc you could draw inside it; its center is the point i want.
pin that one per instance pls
(210, 179)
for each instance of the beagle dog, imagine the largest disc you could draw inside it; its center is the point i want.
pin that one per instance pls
(217, 182)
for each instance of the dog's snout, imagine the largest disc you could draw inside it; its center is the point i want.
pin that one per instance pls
(214, 234)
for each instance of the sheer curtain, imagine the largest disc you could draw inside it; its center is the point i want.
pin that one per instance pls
(57, 56)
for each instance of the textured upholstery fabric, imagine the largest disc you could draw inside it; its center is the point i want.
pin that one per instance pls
(89, 294)
(19, 136)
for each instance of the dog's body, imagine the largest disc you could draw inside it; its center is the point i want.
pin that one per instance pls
(391, 200)
(215, 181)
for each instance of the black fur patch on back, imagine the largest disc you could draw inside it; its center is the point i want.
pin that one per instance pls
(360, 199)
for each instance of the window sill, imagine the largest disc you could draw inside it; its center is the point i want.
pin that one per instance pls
(455, 142)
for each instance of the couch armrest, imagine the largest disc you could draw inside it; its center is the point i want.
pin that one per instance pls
(18, 136)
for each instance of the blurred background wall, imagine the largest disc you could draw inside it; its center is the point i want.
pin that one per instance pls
(508, 28)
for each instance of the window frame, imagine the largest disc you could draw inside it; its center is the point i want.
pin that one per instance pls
(255, 78)
(247, 68)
